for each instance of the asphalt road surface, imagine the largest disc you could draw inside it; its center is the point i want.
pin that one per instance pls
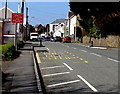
(74, 68)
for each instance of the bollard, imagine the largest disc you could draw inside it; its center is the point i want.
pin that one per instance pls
(40, 42)
(91, 43)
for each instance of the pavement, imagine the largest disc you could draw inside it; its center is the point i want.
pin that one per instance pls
(21, 74)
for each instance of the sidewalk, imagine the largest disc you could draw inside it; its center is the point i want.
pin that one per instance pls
(21, 77)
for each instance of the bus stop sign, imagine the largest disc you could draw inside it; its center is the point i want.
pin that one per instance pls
(17, 17)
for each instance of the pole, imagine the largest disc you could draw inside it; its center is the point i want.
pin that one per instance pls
(26, 22)
(15, 39)
(22, 11)
(6, 10)
(75, 34)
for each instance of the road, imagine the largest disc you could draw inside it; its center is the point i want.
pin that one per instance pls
(74, 68)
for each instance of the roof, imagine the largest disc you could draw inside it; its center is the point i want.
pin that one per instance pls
(59, 21)
(37, 25)
(8, 9)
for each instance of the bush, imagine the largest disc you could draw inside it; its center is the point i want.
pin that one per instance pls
(20, 44)
(8, 51)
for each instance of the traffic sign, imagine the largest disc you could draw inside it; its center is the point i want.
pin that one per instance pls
(17, 17)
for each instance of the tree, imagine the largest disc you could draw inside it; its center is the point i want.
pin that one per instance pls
(106, 14)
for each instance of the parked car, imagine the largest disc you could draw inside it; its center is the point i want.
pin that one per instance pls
(59, 39)
(52, 39)
(66, 39)
(40, 38)
(47, 39)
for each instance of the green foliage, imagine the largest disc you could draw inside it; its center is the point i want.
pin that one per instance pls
(94, 32)
(8, 51)
(107, 19)
(20, 44)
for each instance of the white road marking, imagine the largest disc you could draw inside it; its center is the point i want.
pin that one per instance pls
(63, 83)
(73, 48)
(52, 67)
(95, 90)
(66, 46)
(56, 74)
(83, 51)
(96, 54)
(48, 49)
(113, 60)
(68, 66)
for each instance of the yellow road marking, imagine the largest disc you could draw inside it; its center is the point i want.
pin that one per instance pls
(46, 55)
(86, 61)
(69, 58)
(60, 57)
(81, 59)
(38, 58)
(66, 58)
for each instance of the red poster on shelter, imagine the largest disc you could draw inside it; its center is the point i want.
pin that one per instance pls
(17, 17)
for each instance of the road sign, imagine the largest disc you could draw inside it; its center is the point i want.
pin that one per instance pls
(17, 17)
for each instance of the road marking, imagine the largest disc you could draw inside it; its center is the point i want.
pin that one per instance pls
(96, 54)
(60, 57)
(36, 73)
(69, 58)
(55, 74)
(63, 83)
(48, 49)
(81, 59)
(74, 48)
(86, 61)
(83, 51)
(95, 90)
(113, 60)
(52, 67)
(38, 58)
(68, 66)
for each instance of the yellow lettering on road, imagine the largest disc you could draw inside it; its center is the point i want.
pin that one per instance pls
(86, 61)
(81, 59)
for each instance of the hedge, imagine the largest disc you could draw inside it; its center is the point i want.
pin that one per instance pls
(8, 51)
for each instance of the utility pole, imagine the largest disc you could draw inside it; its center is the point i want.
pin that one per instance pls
(26, 23)
(6, 10)
(22, 11)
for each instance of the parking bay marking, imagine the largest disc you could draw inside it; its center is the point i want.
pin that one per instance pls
(55, 74)
(83, 51)
(68, 66)
(113, 60)
(52, 67)
(96, 54)
(63, 83)
(95, 90)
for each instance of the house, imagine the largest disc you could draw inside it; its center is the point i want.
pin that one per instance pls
(72, 23)
(57, 27)
(8, 28)
(1, 23)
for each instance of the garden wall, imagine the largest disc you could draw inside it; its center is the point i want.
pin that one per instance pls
(111, 41)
